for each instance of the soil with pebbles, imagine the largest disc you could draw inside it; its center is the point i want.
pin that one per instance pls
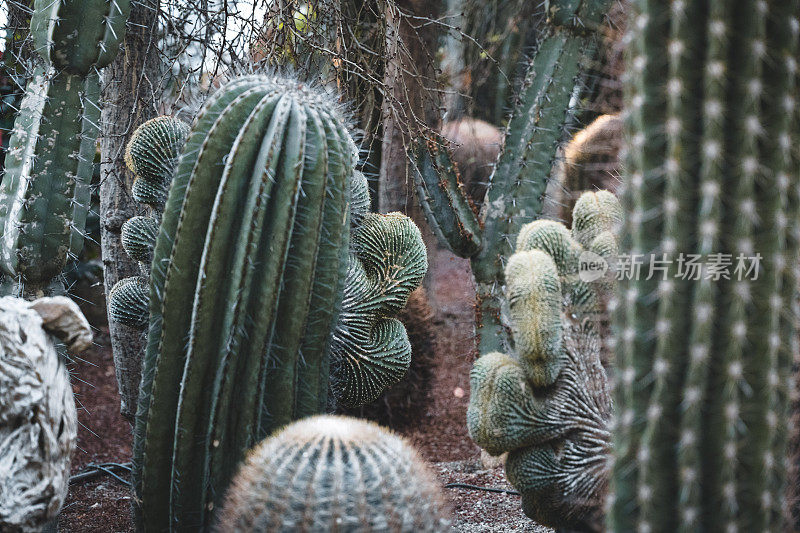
(103, 504)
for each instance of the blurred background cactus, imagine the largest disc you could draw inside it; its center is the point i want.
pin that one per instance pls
(43, 200)
(704, 362)
(548, 401)
(543, 112)
(333, 473)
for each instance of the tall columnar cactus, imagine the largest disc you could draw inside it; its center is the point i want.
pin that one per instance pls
(704, 360)
(248, 279)
(43, 202)
(538, 124)
(331, 473)
(548, 403)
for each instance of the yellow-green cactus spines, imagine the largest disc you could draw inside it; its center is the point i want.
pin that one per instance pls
(330, 473)
(129, 301)
(533, 291)
(547, 403)
(594, 213)
(370, 349)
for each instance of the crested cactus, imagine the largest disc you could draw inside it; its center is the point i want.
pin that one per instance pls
(711, 175)
(370, 348)
(542, 113)
(251, 267)
(548, 403)
(43, 194)
(330, 473)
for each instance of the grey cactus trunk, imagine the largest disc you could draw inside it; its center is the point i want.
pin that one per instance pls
(704, 363)
(44, 193)
(538, 125)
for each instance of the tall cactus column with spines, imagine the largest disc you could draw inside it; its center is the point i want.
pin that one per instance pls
(547, 403)
(248, 277)
(41, 217)
(517, 185)
(702, 394)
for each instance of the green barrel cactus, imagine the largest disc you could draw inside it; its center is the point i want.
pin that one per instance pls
(248, 278)
(547, 403)
(332, 473)
(43, 202)
(704, 357)
(541, 116)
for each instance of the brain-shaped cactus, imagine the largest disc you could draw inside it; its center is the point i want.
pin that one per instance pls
(547, 404)
(329, 473)
(370, 347)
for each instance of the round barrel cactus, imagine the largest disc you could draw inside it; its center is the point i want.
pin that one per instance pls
(330, 473)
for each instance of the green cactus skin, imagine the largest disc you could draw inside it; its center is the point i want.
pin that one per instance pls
(704, 364)
(151, 154)
(330, 473)
(370, 350)
(128, 301)
(139, 238)
(246, 284)
(41, 212)
(547, 404)
(517, 185)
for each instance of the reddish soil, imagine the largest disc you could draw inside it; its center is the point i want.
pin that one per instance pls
(440, 434)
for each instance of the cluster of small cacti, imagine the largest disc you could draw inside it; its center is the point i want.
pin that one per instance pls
(257, 293)
(704, 361)
(541, 116)
(48, 168)
(548, 403)
(151, 155)
(330, 473)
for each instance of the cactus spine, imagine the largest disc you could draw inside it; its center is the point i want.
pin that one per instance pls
(248, 278)
(704, 363)
(330, 473)
(518, 182)
(551, 393)
(43, 202)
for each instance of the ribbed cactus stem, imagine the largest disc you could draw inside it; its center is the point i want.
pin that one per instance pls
(328, 473)
(702, 390)
(43, 202)
(246, 284)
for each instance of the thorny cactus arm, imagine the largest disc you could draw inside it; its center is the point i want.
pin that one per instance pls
(38, 419)
(41, 217)
(704, 363)
(517, 185)
(370, 349)
(329, 473)
(548, 404)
